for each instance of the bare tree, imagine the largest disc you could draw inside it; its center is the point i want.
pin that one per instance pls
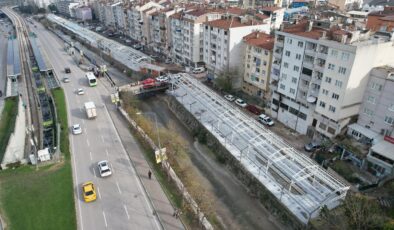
(226, 80)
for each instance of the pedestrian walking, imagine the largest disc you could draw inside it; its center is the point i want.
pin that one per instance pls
(149, 174)
(175, 213)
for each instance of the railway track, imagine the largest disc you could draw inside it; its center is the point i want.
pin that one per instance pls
(29, 96)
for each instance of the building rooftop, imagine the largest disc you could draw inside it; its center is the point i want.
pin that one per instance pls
(231, 23)
(271, 8)
(261, 16)
(384, 148)
(260, 39)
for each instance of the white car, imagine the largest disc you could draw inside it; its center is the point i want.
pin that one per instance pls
(199, 70)
(66, 80)
(80, 91)
(241, 103)
(76, 129)
(265, 120)
(162, 79)
(104, 169)
(229, 97)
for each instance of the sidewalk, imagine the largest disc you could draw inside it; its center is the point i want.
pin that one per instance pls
(161, 203)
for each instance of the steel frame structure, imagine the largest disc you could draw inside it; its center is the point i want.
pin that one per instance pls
(295, 179)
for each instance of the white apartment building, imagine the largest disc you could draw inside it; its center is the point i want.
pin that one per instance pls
(275, 16)
(319, 76)
(186, 34)
(120, 17)
(138, 21)
(223, 46)
(258, 58)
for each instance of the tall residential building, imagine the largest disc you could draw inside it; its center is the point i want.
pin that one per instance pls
(319, 75)
(120, 17)
(186, 29)
(160, 32)
(223, 46)
(258, 58)
(64, 7)
(138, 20)
(275, 16)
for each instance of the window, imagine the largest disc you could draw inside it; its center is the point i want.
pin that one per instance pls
(342, 70)
(325, 92)
(328, 79)
(331, 108)
(300, 44)
(389, 120)
(292, 91)
(265, 52)
(285, 65)
(338, 83)
(296, 68)
(282, 86)
(371, 99)
(264, 63)
(331, 66)
(294, 80)
(335, 96)
(345, 56)
(368, 112)
(298, 56)
(334, 53)
(289, 41)
(376, 86)
(322, 104)
(284, 76)
(287, 53)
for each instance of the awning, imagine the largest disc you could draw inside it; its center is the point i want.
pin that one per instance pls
(311, 99)
(364, 131)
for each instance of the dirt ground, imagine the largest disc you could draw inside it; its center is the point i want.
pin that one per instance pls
(234, 207)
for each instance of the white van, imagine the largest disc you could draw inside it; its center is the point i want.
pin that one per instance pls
(265, 120)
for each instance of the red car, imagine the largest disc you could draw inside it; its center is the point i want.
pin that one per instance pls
(253, 109)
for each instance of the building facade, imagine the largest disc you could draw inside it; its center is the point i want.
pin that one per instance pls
(258, 58)
(319, 76)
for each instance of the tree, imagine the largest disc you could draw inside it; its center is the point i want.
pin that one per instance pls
(358, 213)
(225, 81)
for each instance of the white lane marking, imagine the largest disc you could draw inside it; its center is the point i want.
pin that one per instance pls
(94, 172)
(117, 184)
(102, 138)
(87, 142)
(112, 168)
(127, 213)
(90, 154)
(98, 191)
(105, 220)
(86, 131)
(106, 151)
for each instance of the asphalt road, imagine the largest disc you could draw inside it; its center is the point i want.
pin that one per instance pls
(122, 202)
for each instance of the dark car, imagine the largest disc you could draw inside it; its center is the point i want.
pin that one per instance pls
(67, 70)
(253, 109)
(312, 146)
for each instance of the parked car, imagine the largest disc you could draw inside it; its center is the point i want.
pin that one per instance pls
(266, 120)
(137, 46)
(229, 97)
(67, 70)
(168, 61)
(253, 109)
(312, 146)
(241, 103)
(162, 79)
(198, 70)
(76, 129)
(104, 168)
(66, 80)
(89, 192)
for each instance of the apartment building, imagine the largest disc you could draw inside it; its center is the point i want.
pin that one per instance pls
(258, 58)
(223, 46)
(377, 109)
(346, 5)
(160, 32)
(138, 18)
(186, 29)
(381, 157)
(120, 17)
(64, 7)
(275, 16)
(319, 75)
(381, 20)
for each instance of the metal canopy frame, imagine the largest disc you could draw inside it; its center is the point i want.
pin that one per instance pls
(264, 149)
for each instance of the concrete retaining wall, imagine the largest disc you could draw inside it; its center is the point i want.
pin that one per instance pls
(16, 145)
(255, 188)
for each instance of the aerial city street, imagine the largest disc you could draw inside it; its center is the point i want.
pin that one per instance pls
(247, 114)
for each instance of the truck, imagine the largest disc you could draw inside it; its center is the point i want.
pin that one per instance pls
(151, 83)
(90, 109)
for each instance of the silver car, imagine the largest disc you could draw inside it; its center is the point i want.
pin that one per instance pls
(104, 169)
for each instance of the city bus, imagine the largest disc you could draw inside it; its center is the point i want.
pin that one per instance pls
(91, 79)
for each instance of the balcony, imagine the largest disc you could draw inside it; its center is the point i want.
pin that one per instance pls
(316, 80)
(305, 77)
(276, 64)
(275, 74)
(308, 64)
(273, 85)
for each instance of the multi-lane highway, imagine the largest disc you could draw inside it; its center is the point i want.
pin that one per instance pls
(121, 201)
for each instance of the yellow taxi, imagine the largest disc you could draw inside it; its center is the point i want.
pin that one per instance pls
(89, 192)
